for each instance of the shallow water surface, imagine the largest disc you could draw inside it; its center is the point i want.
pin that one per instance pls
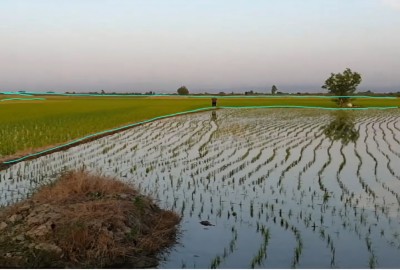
(284, 188)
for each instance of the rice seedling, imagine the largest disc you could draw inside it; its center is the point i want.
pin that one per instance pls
(262, 252)
(372, 262)
(215, 262)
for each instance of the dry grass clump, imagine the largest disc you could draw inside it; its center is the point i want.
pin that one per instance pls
(84, 220)
(82, 186)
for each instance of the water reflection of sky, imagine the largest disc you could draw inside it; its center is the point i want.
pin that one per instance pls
(324, 186)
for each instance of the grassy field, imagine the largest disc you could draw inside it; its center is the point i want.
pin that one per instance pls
(317, 102)
(28, 125)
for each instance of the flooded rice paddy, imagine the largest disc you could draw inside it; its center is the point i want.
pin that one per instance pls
(284, 188)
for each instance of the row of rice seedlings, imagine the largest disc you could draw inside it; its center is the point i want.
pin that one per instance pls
(321, 171)
(346, 225)
(184, 139)
(290, 144)
(299, 247)
(299, 159)
(297, 134)
(307, 166)
(272, 143)
(272, 167)
(362, 221)
(202, 149)
(196, 136)
(388, 159)
(262, 252)
(187, 138)
(393, 132)
(345, 190)
(369, 153)
(395, 126)
(218, 259)
(170, 138)
(385, 138)
(361, 180)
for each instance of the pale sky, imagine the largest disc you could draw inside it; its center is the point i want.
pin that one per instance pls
(207, 45)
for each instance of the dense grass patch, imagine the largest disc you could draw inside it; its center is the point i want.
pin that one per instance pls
(316, 102)
(26, 125)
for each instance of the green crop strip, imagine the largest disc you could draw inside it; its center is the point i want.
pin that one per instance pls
(35, 124)
(304, 107)
(11, 99)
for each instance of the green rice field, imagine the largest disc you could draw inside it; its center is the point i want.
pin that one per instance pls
(28, 125)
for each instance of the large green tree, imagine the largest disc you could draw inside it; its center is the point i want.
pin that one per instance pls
(343, 84)
(183, 90)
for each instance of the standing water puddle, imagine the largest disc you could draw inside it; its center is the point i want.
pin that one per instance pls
(284, 188)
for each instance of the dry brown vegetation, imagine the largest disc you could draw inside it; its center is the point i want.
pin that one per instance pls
(84, 220)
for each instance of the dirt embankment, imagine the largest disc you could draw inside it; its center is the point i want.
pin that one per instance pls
(85, 221)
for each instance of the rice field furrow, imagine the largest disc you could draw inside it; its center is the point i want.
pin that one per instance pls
(388, 159)
(361, 180)
(323, 168)
(308, 164)
(299, 159)
(392, 135)
(369, 153)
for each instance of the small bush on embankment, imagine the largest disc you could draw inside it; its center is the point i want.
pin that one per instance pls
(83, 220)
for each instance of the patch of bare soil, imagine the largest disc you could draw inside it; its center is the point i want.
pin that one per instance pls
(85, 221)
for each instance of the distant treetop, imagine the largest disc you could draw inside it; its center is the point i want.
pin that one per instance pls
(183, 90)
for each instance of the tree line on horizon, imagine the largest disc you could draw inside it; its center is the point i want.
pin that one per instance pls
(221, 93)
(245, 93)
(338, 84)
